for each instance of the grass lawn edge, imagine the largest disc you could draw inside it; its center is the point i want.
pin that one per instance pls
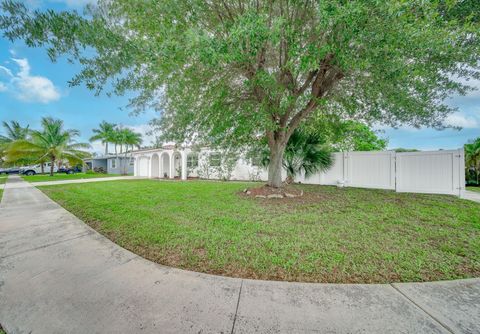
(195, 258)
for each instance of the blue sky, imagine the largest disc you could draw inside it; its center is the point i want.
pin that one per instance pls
(31, 87)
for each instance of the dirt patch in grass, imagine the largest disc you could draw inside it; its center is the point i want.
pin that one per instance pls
(273, 193)
(327, 235)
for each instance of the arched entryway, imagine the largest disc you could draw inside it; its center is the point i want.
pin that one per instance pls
(155, 166)
(165, 165)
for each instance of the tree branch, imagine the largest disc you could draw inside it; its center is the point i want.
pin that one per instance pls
(306, 83)
(321, 86)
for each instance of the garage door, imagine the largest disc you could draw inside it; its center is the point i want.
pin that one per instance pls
(143, 167)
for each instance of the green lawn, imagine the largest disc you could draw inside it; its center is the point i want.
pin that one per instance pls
(477, 189)
(63, 176)
(3, 179)
(328, 235)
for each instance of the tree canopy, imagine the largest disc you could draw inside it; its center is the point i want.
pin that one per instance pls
(231, 71)
(472, 161)
(13, 131)
(356, 136)
(104, 133)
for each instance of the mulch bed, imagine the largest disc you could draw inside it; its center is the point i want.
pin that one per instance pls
(273, 193)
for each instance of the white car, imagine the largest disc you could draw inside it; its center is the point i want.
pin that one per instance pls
(37, 169)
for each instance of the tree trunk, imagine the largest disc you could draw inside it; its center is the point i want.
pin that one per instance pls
(106, 148)
(42, 168)
(126, 162)
(52, 166)
(275, 166)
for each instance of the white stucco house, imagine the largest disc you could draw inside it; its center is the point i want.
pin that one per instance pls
(172, 162)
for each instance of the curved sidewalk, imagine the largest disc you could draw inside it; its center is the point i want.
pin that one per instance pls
(57, 275)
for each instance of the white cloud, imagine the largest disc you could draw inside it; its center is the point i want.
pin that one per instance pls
(3, 87)
(461, 120)
(6, 70)
(27, 87)
(143, 129)
(99, 148)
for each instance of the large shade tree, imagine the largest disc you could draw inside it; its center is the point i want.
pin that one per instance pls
(306, 153)
(233, 70)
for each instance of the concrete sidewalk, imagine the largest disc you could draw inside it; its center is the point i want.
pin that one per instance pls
(49, 183)
(57, 275)
(472, 196)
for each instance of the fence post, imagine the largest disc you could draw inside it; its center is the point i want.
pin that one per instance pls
(393, 166)
(346, 158)
(461, 172)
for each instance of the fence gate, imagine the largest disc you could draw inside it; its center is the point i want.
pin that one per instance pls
(437, 172)
(434, 172)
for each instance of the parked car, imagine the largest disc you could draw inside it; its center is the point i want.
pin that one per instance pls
(12, 170)
(36, 169)
(69, 170)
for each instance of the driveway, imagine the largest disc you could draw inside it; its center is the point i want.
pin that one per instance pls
(57, 275)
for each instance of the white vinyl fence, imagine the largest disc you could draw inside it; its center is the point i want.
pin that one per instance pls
(435, 172)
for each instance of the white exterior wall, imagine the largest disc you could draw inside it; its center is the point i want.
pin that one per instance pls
(439, 172)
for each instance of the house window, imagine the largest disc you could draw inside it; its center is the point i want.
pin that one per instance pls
(192, 160)
(132, 162)
(113, 163)
(215, 159)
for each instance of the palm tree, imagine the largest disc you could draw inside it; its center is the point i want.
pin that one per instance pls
(116, 137)
(14, 131)
(472, 158)
(104, 133)
(305, 153)
(53, 144)
(130, 139)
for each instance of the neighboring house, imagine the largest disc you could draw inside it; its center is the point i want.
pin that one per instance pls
(111, 164)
